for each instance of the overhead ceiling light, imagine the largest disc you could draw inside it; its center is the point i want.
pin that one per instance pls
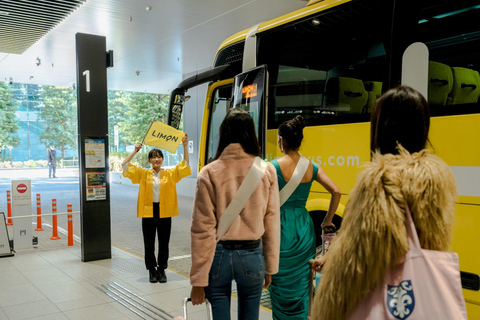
(315, 22)
(39, 62)
(4, 13)
(148, 8)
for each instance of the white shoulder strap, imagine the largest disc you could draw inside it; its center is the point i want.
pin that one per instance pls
(294, 181)
(248, 186)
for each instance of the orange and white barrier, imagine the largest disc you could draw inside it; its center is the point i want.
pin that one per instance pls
(9, 208)
(39, 214)
(70, 225)
(54, 221)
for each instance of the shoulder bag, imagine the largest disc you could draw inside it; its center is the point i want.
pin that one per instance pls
(426, 285)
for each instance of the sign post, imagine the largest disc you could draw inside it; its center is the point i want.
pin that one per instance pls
(93, 147)
(22, 206)
(115, 136)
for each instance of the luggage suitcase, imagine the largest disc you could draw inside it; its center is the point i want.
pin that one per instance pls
(207, 303)
(327, 238)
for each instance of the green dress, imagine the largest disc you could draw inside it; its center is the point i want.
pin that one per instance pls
(289, 288)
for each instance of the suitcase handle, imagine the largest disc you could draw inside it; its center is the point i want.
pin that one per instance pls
(208, 306)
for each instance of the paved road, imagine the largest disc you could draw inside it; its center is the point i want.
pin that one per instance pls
(125, 226)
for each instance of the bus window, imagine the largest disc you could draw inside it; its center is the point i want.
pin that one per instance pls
(219, 108)
(329, 67)
(454, 80)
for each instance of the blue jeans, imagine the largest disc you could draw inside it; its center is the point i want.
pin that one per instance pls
(50, 169)
(247, 267)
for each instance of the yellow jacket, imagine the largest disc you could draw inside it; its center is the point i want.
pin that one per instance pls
(168, 190)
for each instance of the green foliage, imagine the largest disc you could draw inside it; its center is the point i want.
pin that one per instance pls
(116, 159)
(60, 116)
(8, 119)
(118, 104)
(24, 164)
(144, 107)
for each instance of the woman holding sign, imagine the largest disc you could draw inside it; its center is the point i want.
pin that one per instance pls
(289, 289)
(157, 204)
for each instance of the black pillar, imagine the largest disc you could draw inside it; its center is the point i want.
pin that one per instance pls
(93, 147)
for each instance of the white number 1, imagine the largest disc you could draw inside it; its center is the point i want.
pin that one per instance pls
(87, 74)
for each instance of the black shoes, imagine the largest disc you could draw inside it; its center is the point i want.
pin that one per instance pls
(162, 277)
(157, 275)
(153, 275)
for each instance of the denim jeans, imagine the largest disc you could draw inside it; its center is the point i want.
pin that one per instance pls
(247, 267)
(50, 169)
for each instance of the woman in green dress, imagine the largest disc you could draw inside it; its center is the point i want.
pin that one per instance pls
(289, 288)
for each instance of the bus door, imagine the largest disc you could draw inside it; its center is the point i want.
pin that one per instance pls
(218, 102)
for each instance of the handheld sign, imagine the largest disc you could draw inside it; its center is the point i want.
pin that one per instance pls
(163, 136)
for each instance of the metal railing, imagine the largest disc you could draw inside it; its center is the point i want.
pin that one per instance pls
(63, 163)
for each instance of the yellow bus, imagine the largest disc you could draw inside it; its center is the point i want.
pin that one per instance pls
(329, 62)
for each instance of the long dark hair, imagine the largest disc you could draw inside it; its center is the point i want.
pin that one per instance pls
(238, 127)
(401, 115)
(291, 132)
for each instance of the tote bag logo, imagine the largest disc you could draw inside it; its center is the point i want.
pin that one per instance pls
(400, 300)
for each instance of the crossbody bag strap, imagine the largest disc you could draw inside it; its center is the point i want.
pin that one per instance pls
(248, 186)
(413, 240)
(294, 181)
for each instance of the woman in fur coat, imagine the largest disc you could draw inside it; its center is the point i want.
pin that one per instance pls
(373, 237)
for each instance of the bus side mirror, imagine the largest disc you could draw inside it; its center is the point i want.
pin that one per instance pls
(180, 99)
(177, 100)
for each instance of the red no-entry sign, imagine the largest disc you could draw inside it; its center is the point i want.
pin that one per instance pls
(21, 188)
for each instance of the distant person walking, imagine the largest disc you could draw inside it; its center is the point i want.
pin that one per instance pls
(52, 161)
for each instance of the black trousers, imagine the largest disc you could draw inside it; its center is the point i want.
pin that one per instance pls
(162, 227)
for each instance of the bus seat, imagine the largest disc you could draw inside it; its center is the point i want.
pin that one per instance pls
(440, 83)
(466, 86)
(346, 94)
(374, 91)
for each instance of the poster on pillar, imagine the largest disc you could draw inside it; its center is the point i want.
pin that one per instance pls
(94, 153)
(96, 186)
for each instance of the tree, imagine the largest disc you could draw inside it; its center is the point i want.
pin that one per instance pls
(8, 119)
(143, 109)
(118, 103)
(60, 116)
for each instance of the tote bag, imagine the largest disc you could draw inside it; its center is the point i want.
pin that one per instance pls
(426, 285)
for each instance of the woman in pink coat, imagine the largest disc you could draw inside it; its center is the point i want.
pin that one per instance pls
(249, 251)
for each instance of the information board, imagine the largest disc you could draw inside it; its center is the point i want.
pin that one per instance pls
(96, 183)
(94, 153)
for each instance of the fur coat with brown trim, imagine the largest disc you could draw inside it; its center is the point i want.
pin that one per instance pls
(373, 236)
